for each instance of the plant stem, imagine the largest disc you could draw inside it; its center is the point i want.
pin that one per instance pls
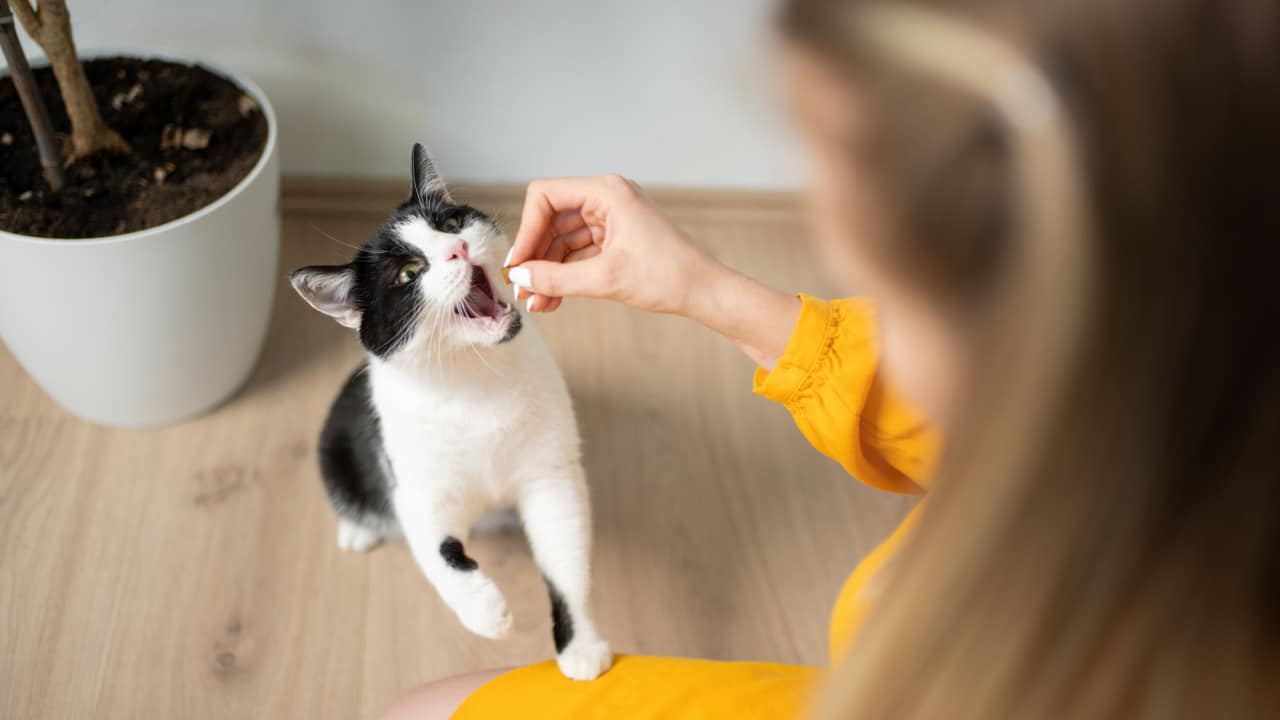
(32, 103)
(49, 25)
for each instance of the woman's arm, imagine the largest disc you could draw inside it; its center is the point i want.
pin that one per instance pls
(601, 237)
(757, 318)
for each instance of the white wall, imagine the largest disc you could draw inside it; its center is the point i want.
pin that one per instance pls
(670, 92)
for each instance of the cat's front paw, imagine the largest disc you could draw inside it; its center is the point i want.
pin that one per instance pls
(585, 660)
(484, 612)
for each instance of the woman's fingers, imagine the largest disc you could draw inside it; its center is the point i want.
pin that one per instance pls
(542, 303)
(561, 246)
(584, 253)
(573, 247)
(562, 231)
(544, 203)
(564, 224)
(587, 278)
(566, 221)
(560, 253)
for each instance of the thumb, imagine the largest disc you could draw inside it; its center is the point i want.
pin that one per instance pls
(584, 278)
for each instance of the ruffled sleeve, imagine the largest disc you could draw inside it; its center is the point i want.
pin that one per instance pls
(829, 380)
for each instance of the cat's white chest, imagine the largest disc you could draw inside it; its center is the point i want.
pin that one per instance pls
(456, 435)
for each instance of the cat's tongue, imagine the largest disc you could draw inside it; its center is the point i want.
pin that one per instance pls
(482, 305)
(480, 301)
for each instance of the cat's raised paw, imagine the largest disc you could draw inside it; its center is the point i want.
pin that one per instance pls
(354, 537)
(485, 612)
(585, 660)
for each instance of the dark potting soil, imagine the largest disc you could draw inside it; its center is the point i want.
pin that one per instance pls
(194, 135)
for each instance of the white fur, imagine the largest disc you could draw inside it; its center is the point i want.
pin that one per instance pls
(356, 537)
(470, 426)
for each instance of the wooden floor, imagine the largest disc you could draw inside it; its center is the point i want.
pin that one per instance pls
(191, 572)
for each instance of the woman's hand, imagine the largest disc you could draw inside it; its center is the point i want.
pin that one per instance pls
(602, 238)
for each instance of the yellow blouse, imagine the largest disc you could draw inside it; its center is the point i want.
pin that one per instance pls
(828, 379)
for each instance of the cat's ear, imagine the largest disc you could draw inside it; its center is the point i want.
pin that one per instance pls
(328, 288)
(427, 182)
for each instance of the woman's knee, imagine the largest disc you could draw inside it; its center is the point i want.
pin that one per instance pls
(440, 699)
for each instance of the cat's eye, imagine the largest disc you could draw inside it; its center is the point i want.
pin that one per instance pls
(451, 225)
(409, 272)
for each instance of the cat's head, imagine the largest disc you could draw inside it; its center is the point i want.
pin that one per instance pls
(424, 282)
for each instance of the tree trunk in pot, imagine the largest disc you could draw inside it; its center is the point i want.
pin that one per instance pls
(50, 27)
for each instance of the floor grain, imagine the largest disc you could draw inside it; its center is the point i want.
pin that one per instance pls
(191, 571)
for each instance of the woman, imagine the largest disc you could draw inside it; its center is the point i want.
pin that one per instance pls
(1066, 213)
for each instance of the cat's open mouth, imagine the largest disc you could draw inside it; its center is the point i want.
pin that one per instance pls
(480, 302)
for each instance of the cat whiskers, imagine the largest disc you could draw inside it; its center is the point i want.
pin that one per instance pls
(440, 321)
(430, 321)
(466, 305)
(349, 245)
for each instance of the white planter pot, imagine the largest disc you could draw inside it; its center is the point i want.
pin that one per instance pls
(157, 325)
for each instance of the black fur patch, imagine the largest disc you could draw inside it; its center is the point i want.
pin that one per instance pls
(352, 460)
(456, 558)
(389, 312)
(513, 329)
(561, 620)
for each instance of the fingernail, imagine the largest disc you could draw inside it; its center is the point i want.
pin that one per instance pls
(507, 262)
(520, 277)
(528, 304)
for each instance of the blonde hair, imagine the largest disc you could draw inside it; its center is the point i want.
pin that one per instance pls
(1102, 539)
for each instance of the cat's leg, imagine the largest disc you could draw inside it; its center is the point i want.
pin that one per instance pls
(557, 519)
(434, 527)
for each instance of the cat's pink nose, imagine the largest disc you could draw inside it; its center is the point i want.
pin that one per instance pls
(460, 251)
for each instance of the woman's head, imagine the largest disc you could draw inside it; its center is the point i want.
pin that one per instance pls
(1103, 536)
(934, 142)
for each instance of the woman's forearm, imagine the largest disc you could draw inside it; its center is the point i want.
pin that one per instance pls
(754, 316)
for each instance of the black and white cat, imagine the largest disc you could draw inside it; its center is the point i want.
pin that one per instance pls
(457, 410)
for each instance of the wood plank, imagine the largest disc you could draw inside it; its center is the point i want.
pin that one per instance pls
(344, 197)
